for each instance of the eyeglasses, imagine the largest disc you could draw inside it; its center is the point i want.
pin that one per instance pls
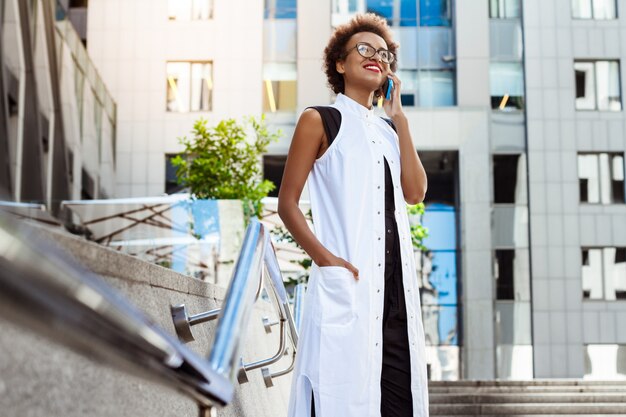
(368, 51)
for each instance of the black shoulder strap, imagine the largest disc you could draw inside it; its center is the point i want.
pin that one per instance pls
(331, 118)
(390, 123)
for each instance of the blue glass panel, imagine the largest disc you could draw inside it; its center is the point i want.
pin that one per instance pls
(440, 325)
(285, 9)
(441, 282)
(448, 325)
(436, 88)
(440, 219)
(382, 8)
(408, 12)
(205, 227)
(407, 99)
(434, 13)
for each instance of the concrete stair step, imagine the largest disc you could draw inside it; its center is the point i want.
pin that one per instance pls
(534, 382)
(527, 389)
(523, 415)
(527, 409)
(524, 398)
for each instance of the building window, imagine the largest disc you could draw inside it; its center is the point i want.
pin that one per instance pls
(505, 289)
(506, 85)
(605, 361)
(279, 56)
(601, 178)
(594, 9)
(189, 86)
(604, 273)
(509, 179)
(279, 87)
(190, 9)
(402, 12)
(504, 9)
(427, 88)
(171, 180)
(273, 168)
(280, 9)
(597, 85)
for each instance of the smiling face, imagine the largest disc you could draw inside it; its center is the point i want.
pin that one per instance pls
(363, 72)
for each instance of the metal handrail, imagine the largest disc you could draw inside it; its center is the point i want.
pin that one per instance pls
(93, 319)
(257, 251)
(243, 291)
(72, 306)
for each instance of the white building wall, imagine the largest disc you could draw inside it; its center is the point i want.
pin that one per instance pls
(560, 224)
(131, 41)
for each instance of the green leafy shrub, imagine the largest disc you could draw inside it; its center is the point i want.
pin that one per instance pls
(223, 162)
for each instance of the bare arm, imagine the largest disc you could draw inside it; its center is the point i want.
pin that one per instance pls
(412, 175)
(308, 141)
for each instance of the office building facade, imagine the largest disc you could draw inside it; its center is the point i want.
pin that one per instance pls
(516, 110)
(57, 119)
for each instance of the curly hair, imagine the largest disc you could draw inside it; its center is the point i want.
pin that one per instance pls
(336, 48)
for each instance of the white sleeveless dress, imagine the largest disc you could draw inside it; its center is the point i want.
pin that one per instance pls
(339, 354)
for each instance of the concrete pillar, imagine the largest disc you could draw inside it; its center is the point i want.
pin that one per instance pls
(29, 181)
(5, 162)
(58, 184)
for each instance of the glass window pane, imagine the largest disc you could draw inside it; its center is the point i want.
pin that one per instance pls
(178, 86)
(408, 13)
(605, 179)
(506, 85)
(280, 9)
(510, 226)
(607, 73)
(509, 175)
(171, 180)
(503, 270)
(592, 274)
(344, 10)
(494, 9)
(279, 40)
(201, 87)
(581, 9)
(202, 10)
(585, 86)
(437, 276)
(279, 94)
(588, 176)
(440, 325)
(501, 9)
(605, 361)
(604, 9)
(435, 13)
(382, 8)
(435, 88)
(617, 180)
(179, 9)
(614, 273)
(513, 323)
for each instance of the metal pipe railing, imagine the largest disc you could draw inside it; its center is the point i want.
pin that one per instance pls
(44, 289)
(243, 291)
(238, 303)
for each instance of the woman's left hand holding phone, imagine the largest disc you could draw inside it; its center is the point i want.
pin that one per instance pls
(393, 106)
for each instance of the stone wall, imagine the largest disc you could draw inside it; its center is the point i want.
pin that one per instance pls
(40, 378)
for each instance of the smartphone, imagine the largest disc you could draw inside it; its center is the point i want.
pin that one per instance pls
(387, 88)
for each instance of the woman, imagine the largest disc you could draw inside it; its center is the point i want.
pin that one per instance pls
(361, 349)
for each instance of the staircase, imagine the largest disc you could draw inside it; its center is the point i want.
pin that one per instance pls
(537, 398)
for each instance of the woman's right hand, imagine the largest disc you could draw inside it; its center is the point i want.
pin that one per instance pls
(333, 260)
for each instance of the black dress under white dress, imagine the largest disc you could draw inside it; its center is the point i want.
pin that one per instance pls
(396, 399)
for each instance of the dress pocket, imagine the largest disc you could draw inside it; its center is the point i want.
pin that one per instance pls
(337, 288)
